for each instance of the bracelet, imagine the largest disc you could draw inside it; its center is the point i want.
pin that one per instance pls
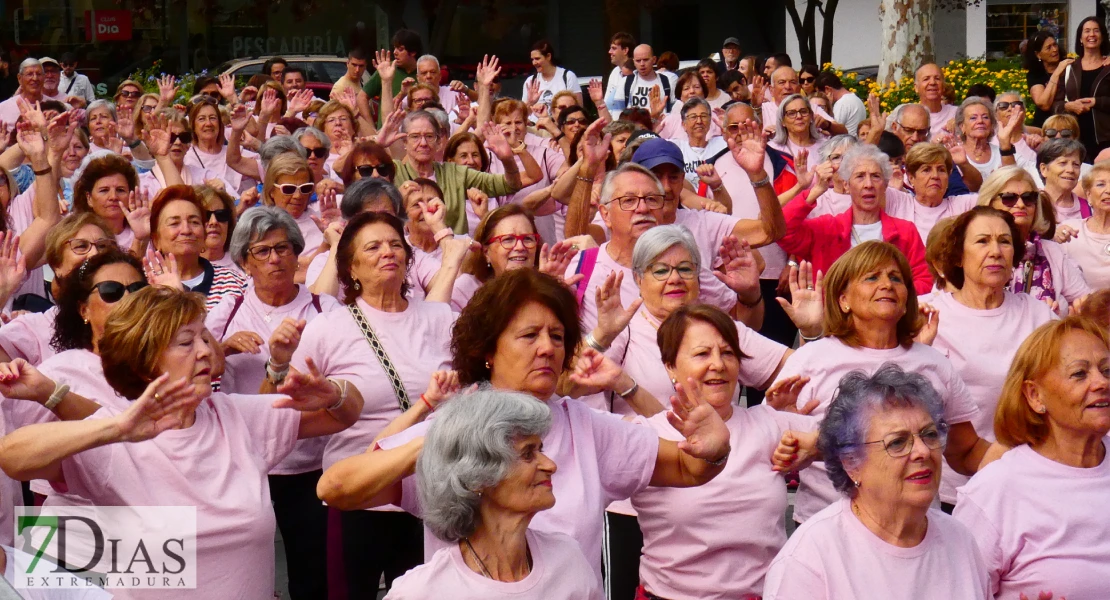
(342, 393)
(586, 179)
(45, 171)
(276, 375)
(718, 188)
(766, 181)
(753, 304)
(134, 144)
(720, 461)
(424, 399)
(592, 342)
(811, 339)
(443, 234)
(60, 391)
(632, 390)
(1009, 152)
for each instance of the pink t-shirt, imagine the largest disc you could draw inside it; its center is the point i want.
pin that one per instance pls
(1091, 251)
(21, 213)
(313, 237)
(827, 360)
(28, 336)
(217, 163)
(671, 126)
(218, 465)
(939, 120)
(687, 553)
(550, 161)
(559, 572)
(153, 181)
(833, 555)
(600, 457)
(981, 344)
(1039, 525)
(1068, 213)
(792, 149)
(746, 206)
(416, 341)
(244, 372)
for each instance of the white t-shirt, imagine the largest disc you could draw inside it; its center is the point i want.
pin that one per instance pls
(639, 94)
(693, 157)
(938, 120)
(867, 233)
(562, 80)
(849, 111)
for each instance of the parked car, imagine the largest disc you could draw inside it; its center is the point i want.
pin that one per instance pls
(321, 71)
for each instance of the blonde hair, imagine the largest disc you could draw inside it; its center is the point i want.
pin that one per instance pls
(853, 265)
(1044, 220)
(64, 231)
(326, 111)
(926, 154)
(283, 164)
(137, 117)
(1063, 122)
(1102, 168)
(1015, 421)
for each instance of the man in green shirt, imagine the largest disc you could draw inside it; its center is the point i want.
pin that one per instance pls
(407, 47)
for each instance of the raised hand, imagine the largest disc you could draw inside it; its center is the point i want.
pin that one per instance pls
(59, 133)
(555, 261)
(441, 386)
(137, 213)
(285, 339)
(801, 169)
(156, 135)
(13, 269)
(391, 133)
(657, 102)
(822, 180)
(928, 331)
(595, 148)
(497, 141)
(115, 144)
(807, 299)
(309, 391)
(709, 176)
(488, 70)
(739, 269)
(875, 112)
(125, 123)
(759, 84)
(167, 90)
(5, 135)
(783, 395)
(299, 100)
(533, 90)
(348, 97)
(706, 435)
(795, 452)
(248, 94)
(240, 116)
(478, 200)
(384, 65)
(1006, 132)
(227, 87)
(329, 209)
(19, 380)
(247, 199)
(164, 405)
(749, 148)
(162, 270)
(595, 371)
(29, 139)
(612, 317)
(457, 86)
(406, 85)
(31, 113)
(333, 233)
(271, 104)
(597, 91)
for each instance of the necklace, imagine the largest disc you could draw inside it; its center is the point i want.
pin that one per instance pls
(485, 571)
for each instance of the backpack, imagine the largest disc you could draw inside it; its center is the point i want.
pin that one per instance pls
(629, 80)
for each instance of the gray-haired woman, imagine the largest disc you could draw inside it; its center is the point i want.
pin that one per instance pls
(259, 332)
(975, 126)
(482, 476)
(882, 441)
(697, 119)
(1060, 165)
(318, 150)
(796, 129)
(829, 190)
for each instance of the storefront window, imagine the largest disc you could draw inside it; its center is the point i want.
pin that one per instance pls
(1008, 24)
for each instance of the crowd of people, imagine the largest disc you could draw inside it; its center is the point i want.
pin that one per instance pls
(464, 345)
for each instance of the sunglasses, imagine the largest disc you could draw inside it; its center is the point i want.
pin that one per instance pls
(808, 79)
(147, 108)
(222, 215)
(186, 137)
(1007, 105)
(213, 95)
(320, 152)
(112, 291)
(131, 95)
(291, 188)
(374, 170)
(83, 247)
(1010, 199)
(576, 122)
(1064, 133)
(204, 99)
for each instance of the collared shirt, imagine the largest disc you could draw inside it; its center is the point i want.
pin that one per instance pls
(79, 85)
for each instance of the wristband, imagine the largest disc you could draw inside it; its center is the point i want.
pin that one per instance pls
(720, 461)
(424, 399)
(276, 376)
(766, 181)
(60, 391)
(586, 179)
(45, 171)
(134, 144)
(718, 188)
(753, 304)
(342, 393)
(592, 342)
(1009, 152)
(811, 339)
(443, 234)
(632, 390)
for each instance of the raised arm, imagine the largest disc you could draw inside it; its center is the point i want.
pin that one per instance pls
(594, 151)
(749, 153)
(497, 142)
(45, 207)
(156, 136)
(386, 67)
(488, 70)
(702, 455)
(248, 167)
(370, 479)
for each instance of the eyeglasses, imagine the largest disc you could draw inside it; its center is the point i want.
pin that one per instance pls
(653, 201)
(808, 79)
(662, 271)
(508, 241)
(320, 152)
(915, 132)
(291, 188)
(186, 137)
(1010, 199)
(427, 137)
(282, 249)
(148, 108)
(702, 118)
(83, 247)
(1064, 133)
(799, 112)
(1008, 105)
(222, 215)
(898, 445)
(576, 122)
(131, 95)
(112, 291)
(375, 170)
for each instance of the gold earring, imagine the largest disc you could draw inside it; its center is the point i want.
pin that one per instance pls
(487, 365)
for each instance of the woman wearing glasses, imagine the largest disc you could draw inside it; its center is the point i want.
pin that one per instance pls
(181, 140)
(981, 323)
(177, 217)
(1055, 412)
(1007, 104)
(1046, 271)
(697, 117)
(368, 159)
(882, 438)
(261, 330)
(796, 129)
(220, 222)
(288, 185)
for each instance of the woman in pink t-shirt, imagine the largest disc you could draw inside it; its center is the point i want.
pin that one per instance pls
(483, 476)
(109, 187)
(1046, 271)
(178, 443)
(927, 169)
(1058, 162)
(981, 323)
(1035, 512)
(882, 439)
(871, 318)
(1088, 239)
(519, 332)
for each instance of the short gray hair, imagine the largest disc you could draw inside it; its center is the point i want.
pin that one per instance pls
(256, 223)
(315, 133)
(417, 115)
(843, 142)
(615, 128)
(896, 114)
(968, 103)
(858, 399)
(442, 121)
(366, 190)
(279, 144)
(628, 167)
(470, 448)
(658, 240)
(428, 58)
(99, 104)
(780, 130)
(1020, 96)
(861, 153)
(693, 103)
(28, 63)
(1050, 150)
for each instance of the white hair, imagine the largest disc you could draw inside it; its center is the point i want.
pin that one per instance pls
(609, 185)
(863, 153)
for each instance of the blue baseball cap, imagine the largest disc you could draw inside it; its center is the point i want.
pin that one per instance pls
(659, 151)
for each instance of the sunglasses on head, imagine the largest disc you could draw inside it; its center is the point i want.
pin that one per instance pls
(1010, 199)
(131, 95)
(213, 95)
(186, 137)
(112, 291)
(374, 170)
(222, 215)
(205, 99)
(320, 152)
(291, 188)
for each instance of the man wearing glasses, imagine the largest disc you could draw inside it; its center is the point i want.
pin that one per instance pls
(74, 84)
(31, 78)
(910, 122)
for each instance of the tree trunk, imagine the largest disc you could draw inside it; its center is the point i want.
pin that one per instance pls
(827, 32)
(441, 28)
(907, 28)
(805, 29)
